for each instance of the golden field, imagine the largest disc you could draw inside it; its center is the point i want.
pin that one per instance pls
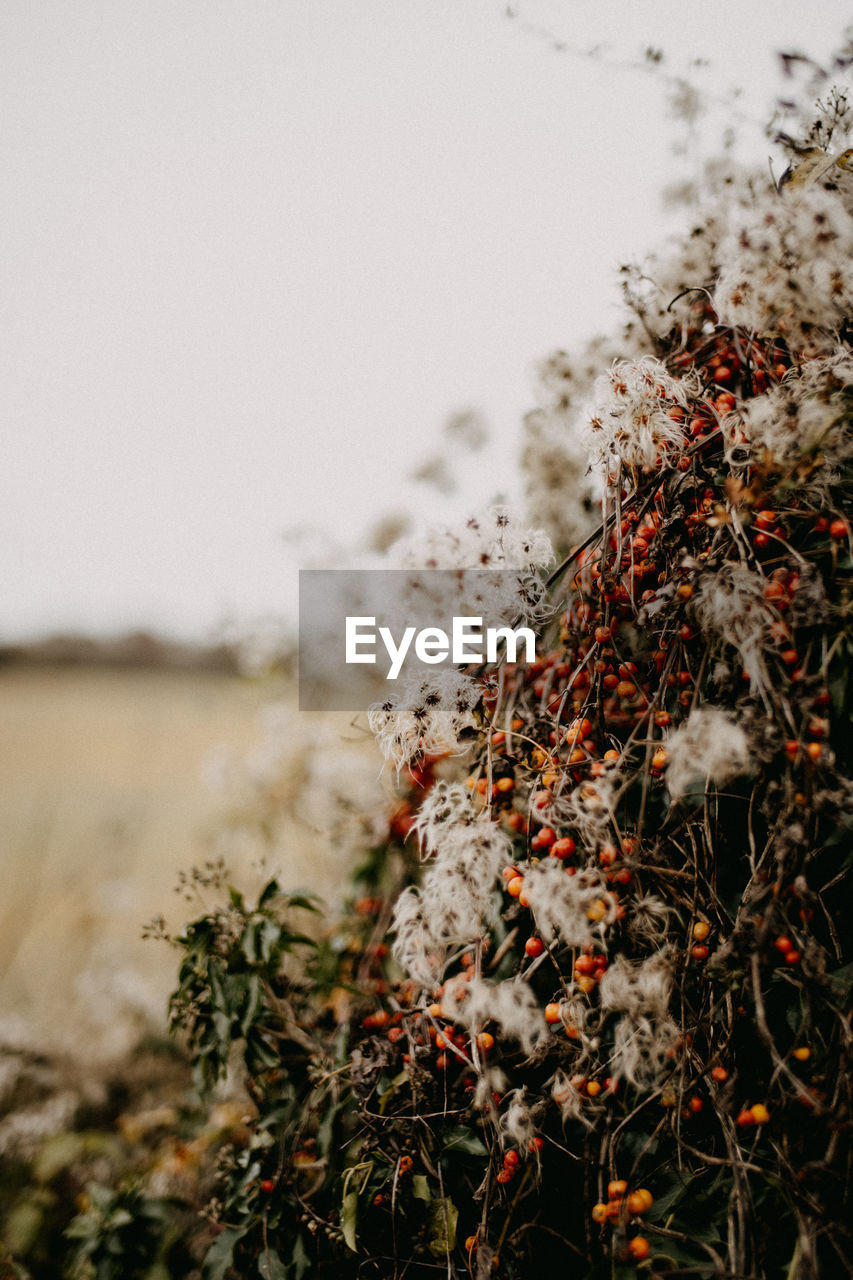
(103, 801)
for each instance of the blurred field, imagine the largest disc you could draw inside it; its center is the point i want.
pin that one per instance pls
(102, 801)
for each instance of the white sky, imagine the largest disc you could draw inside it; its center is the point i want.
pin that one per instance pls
(257, 252)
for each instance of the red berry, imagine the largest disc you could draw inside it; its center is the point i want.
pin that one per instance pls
(267, 1185)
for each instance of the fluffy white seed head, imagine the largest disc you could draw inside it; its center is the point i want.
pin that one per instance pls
(426, 717)
(788, 268)
(573, 909)
(517, 1122)
(730, 604)
(709, 747)
(457, 898)
(806, 415)
(629, 417)
(643, 1049)
(510, 1004)
(638, 989)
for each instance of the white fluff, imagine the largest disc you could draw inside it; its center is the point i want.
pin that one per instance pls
(709, 747)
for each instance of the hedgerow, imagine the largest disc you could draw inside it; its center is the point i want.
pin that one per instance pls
(589, 1004)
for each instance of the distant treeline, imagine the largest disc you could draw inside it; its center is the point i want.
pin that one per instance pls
(133, 650)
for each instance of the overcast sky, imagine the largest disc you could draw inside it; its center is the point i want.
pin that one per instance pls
(256, 252)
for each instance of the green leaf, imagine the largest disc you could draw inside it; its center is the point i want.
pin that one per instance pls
(307, 901)
(442, 1216)
(254, 1000)
(270, 1266)
(220, 1255)
(385, 1098)
(301, 1259)
(349, 1219)
(420, 1187)
(463, 1140)
(270, 891)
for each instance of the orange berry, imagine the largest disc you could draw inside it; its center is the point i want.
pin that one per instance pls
(699, 952)
(511, 1158)
(599, 1212)
(802, 1054)
(760, 1114)
(505, 784)
(470, 1244)
(515, 886)
(563, 848)
(638, 1248)
(746, 1118)
(616, 1189)
(593, 1089)
(640, 1201)
(701, 930)
(485, 1041)
(696, 1105)
(719, 1074)
(552, 1013)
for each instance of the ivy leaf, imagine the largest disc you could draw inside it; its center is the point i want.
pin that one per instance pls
(270, 1266)
(349, 1219)
(420, 1187)
(442, 1216)
(464, 1140)
(220, 1255)
(301, 1259)
(386, 1097)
